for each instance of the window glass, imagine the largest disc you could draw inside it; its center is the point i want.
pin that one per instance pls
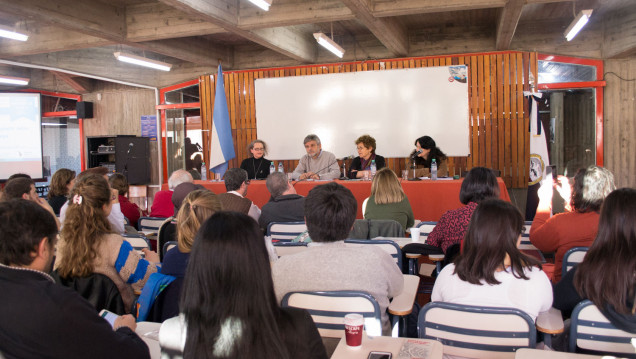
(183, 95)
(557, 72)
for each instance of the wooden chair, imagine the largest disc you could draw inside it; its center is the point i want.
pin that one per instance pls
(477, 332)
(591, 332)
(329, 308)
(386, 245)
(285, 231)
(287, 248)
(573, 257)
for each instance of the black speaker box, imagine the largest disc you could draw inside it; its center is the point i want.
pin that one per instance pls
(132, 158)
(84, 109)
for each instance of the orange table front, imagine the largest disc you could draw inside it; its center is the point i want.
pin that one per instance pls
(429, 199)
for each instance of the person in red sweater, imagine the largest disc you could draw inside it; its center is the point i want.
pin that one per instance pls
(130, 210)
(162, 202)
(578, 226)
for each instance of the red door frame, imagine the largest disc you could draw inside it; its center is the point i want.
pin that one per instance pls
(597, 85)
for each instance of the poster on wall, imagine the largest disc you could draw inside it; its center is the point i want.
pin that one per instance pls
(149, 127)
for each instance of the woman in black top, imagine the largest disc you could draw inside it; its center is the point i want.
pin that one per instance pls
(257, 166)
(365, 145)
(61, 183)
(425, 152)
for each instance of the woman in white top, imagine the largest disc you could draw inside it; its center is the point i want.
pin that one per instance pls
(491, 271)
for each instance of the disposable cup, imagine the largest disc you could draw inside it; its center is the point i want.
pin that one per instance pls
(354, 327)
(415, 233)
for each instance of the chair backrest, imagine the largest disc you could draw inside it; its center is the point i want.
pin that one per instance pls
(477, 332)
(591, 331)
(150, 223)
(285, 231)
(528, 248)
(386, 245)
(287, 248)
(329, 308)
(526, 226)
(137, 241)
(372, 228)
(426, 227)
(168, 246)
(573, 257)
(167, 233)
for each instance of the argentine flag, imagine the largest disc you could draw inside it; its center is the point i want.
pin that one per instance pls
(222, 146)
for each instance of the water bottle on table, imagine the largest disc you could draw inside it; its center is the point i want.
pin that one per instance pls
(433, 170)
(204, 172)
(272, 169)
(280, 167)
(374, 168)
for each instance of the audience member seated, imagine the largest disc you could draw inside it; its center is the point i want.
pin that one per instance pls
(228, 302)
(24, 188)
(480, 184)
(606, 275)
(316, 164)
(236, 184)
(257, 166)
(61, 183)
(285, 205)
(162, 202)
(365, 145)
(41, 319)
(425, 151)
(88, 245)
(116, 218)
(198, 206)
(491, 271)
(578, 227)
(388, 201)
(130, 210)
(328, 264)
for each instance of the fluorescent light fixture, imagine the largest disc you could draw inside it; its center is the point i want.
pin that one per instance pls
(10, 34)
(14, 80)
(577, 24)
(329, 44)
(142, 61)
(263, 4)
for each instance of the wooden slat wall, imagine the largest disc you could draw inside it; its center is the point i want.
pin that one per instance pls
(498, 111)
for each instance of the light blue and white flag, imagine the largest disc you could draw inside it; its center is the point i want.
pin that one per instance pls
(222, 145)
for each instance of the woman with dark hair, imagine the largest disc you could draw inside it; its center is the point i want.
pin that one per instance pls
(61, 183)
(480, 184)
(425, 151)
(257, 166)
(606, 275)
(229, 309)
(578, 227)
(491, 271)
(365, 145)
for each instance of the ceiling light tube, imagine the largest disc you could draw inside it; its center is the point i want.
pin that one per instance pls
(10, 34)
(263, 4)
(577, 24)
(14, 80)
(142, 61)
(329, 44)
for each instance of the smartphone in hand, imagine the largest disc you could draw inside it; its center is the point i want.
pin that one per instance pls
(109, 316)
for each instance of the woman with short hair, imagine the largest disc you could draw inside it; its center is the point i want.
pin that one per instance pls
(88, 244)
(365, 145)
(388, 201)
(491, 271)
(257, 166)
(228, 305)
(61, 183)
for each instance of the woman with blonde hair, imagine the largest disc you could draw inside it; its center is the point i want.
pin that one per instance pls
(61, 184)
(388, 201)
(88, 244)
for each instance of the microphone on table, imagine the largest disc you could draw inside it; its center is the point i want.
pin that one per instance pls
(414, 156)
(344, 168)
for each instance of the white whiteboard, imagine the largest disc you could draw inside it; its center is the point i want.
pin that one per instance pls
(394, 106)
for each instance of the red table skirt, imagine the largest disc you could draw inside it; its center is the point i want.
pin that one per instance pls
(429, 199)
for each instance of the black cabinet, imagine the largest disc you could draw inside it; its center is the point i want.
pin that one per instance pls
(128, 155)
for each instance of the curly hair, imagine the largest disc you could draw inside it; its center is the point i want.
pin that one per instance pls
(367, 141)
(84, 225)
(60, 181)
(198, 206)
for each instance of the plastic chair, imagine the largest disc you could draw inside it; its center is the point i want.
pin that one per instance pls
(573, 257)
(386, 245)
(285, 231)
(591, 332)
(477, 332)
(426, 227)
(287, 248)
(328, 309)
